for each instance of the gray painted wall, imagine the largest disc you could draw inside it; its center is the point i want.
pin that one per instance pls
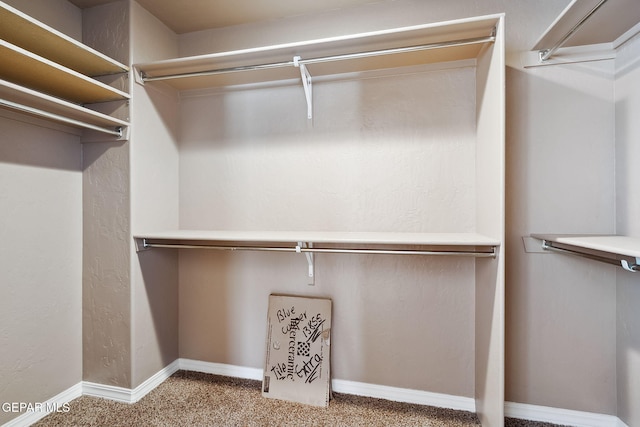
(106, 306)
(560, 174)
(572, 326)
(627, 104)
(40, 246)
(154, 203)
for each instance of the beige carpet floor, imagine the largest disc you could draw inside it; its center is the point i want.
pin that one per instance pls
(196, 399)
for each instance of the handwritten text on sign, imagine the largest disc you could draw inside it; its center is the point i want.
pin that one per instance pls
(301, 330)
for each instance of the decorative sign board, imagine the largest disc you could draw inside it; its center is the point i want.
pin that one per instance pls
(297, 363)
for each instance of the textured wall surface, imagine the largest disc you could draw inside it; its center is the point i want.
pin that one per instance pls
(40, 262)
(40, 244)
(375, 158)
(154, 204)
(560, 178)
(382, 154)
(627, 101)
(106, 298)
(106, 227)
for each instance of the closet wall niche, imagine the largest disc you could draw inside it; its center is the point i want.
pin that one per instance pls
(384, 141)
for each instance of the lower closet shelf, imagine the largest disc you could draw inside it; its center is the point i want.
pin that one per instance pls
(464, 244)
(16, 97)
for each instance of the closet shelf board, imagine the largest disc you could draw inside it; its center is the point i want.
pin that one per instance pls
(28, 33)
(33, 71)
(352, 238)
(25, 96)
(325, 48)
(612, 244)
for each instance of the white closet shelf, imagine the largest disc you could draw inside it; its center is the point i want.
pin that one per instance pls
(406, 46)
(26, 100)
(466, 244)
(38, 73)
(22, 30)
(623, 251)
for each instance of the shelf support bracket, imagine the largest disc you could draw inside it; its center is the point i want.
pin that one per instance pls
(306, 83)
(632, 267)
(310, 259)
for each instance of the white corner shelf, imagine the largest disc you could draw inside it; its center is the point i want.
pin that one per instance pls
(44, 72)
(623, 251)
(400, 47)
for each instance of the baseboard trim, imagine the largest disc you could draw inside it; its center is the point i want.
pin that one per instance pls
(127, 395)
(512, 410)
(397, 394)
(56, 403)
(560, 416)
(220, 369)
(147, 386)
(343, 386)
(104, 391)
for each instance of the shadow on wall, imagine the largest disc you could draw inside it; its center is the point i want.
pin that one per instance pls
(627, 212)
(157, 305)
(560, 318)
(43, 146)
(628, 347)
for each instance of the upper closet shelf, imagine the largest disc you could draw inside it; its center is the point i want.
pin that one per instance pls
(22, 30)
(48, 74)
(467, 244)
(623, 251)
(38, 73)
(422, 44)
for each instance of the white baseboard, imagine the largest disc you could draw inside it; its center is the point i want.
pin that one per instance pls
(397, 394)
(220, 369)
(56, 403)
(104, 391)
(127, 395)
(120, 394)
(343, 386)
(560, 416)
(143, 389)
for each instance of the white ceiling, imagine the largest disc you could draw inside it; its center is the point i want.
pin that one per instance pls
(194, 15)
(185, 16)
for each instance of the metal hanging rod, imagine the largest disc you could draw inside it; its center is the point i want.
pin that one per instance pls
(628, 263)
(482, 254)
(300, 61)
(547, 53)
(117, 131)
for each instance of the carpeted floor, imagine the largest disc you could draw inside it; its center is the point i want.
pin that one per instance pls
(196, 399)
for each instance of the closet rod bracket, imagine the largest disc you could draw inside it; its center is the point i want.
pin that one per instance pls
(306, 83)
(141, 244)
(310, 259)
(631, 266)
